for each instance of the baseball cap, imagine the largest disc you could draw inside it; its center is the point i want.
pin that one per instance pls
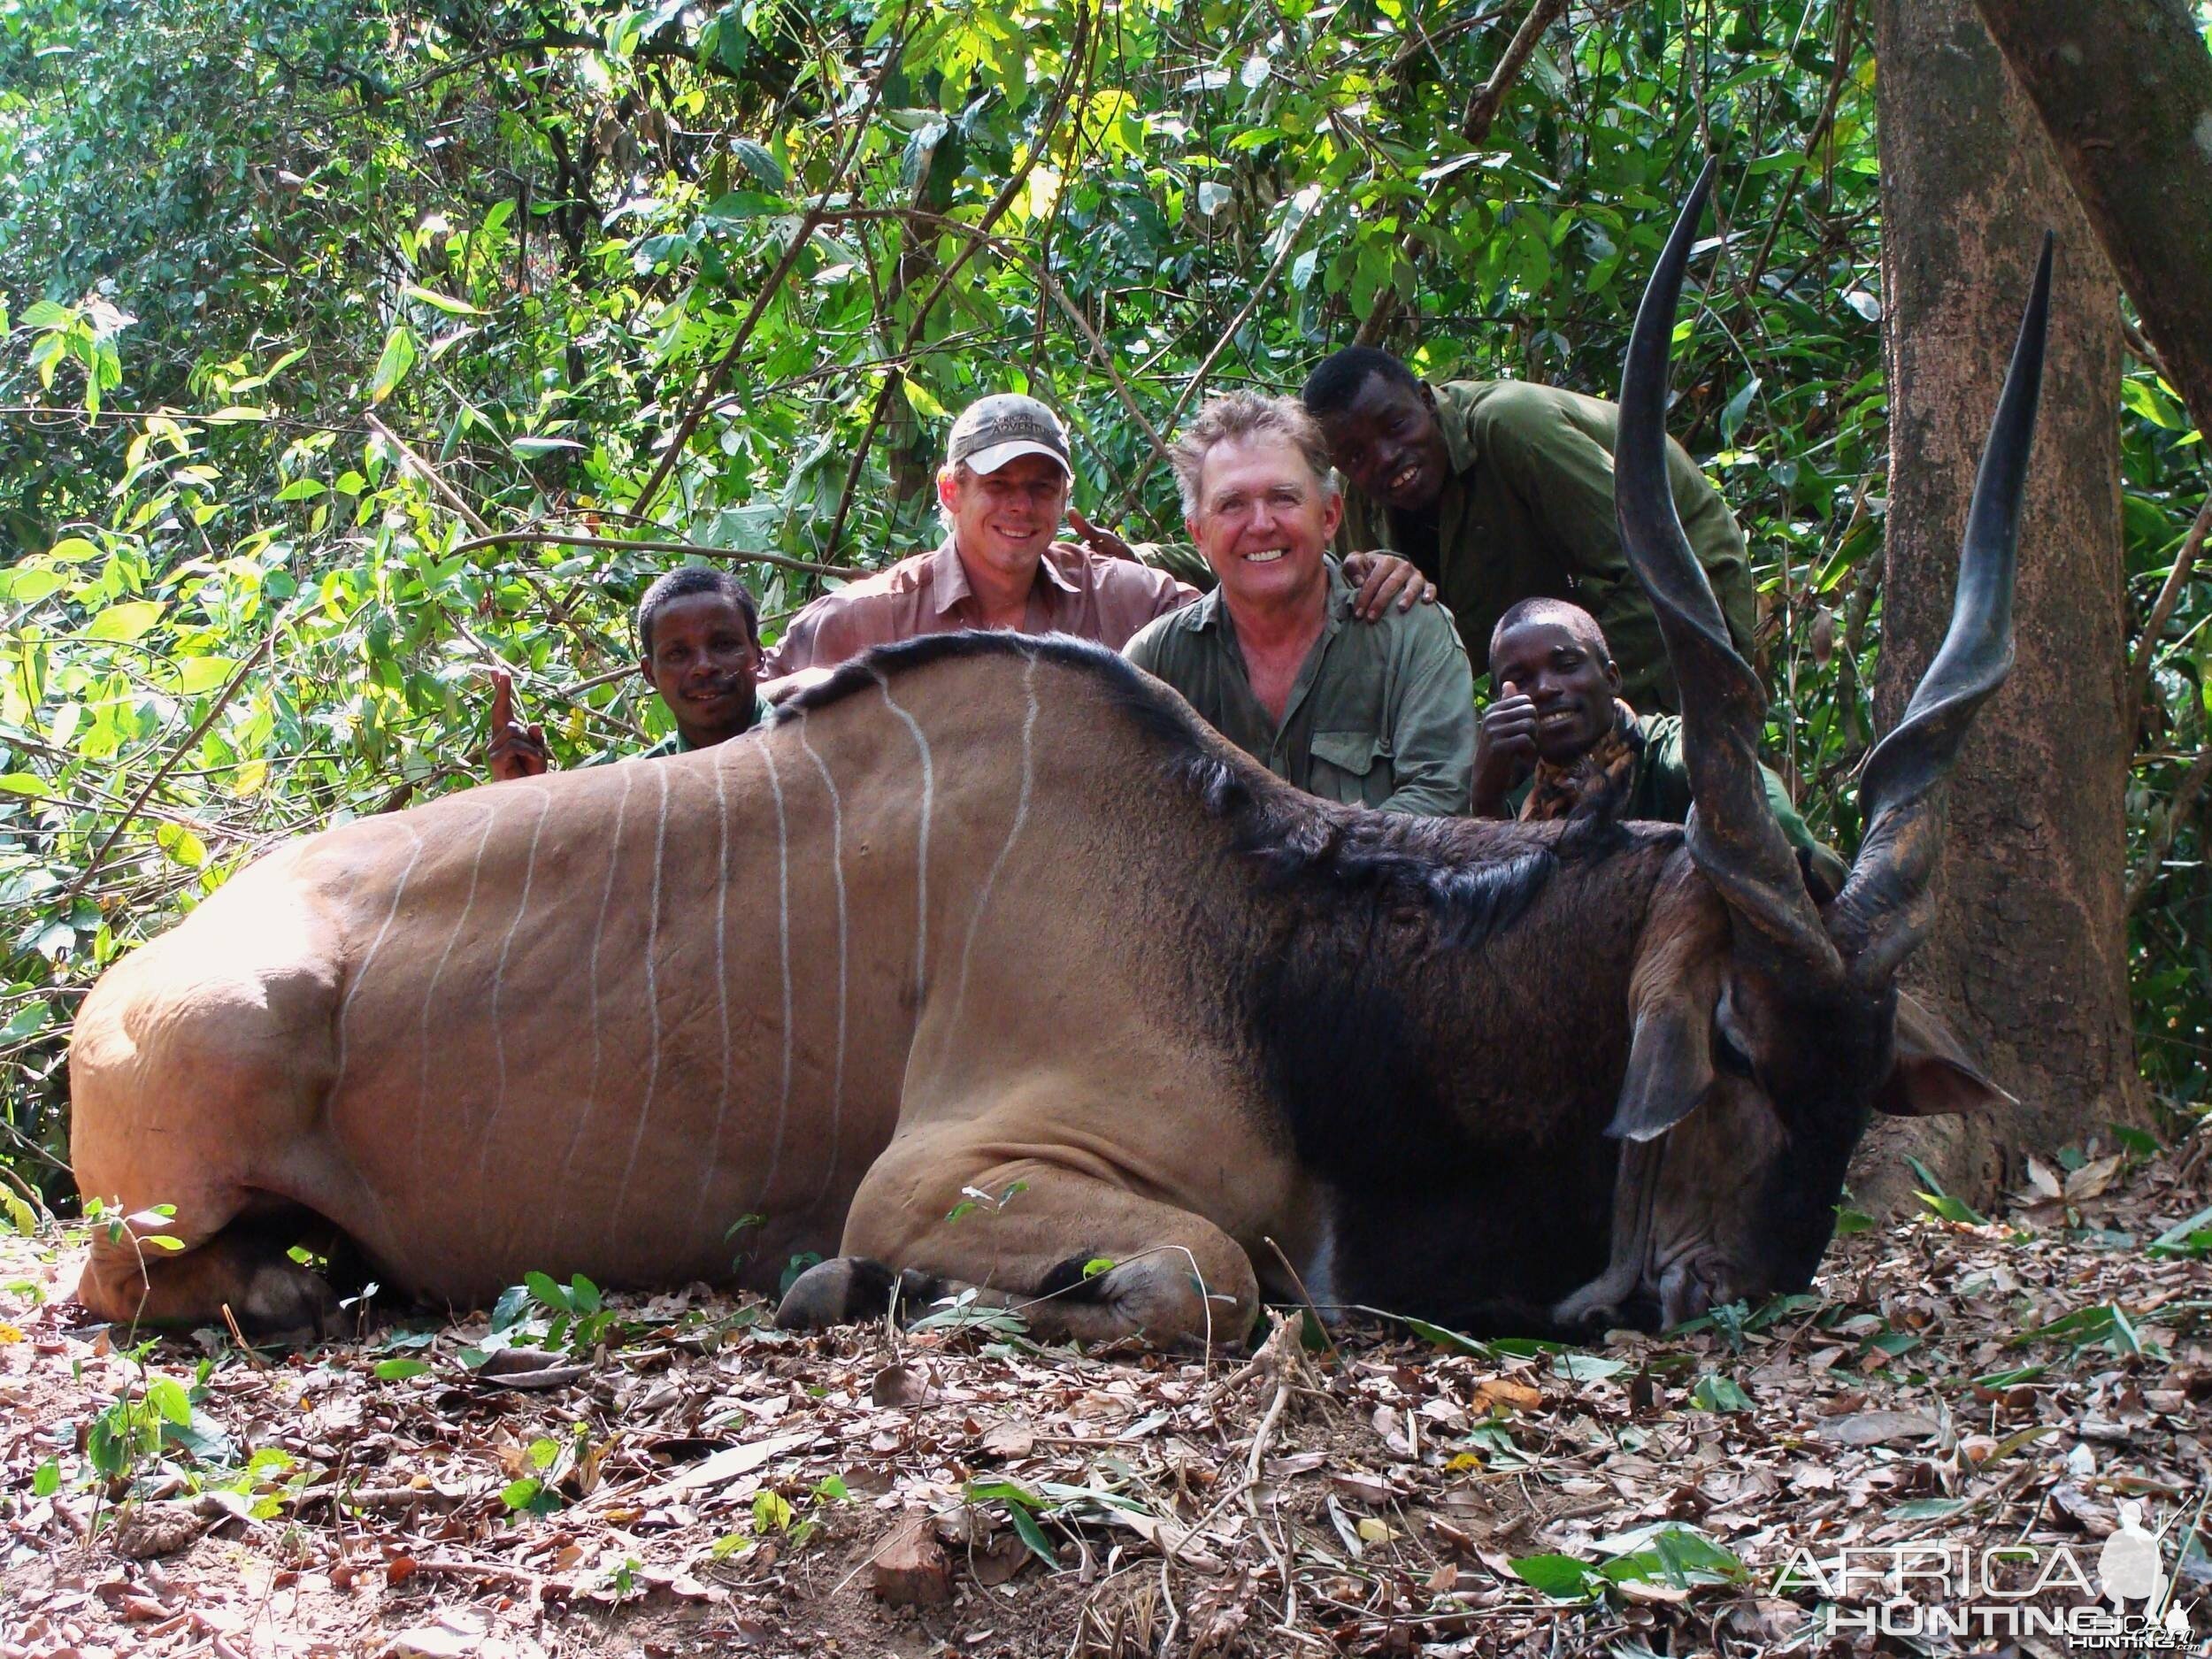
(993, 430)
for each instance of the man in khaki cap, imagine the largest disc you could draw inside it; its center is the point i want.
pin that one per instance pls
(1001, 493)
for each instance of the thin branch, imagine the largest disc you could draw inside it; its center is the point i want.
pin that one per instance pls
(1105, 360)
(221, 700)
(1079, 57)
(428, 473)
(808, 223)
(2162, 612)
(783, 561)
(1198, 377)
(2146, 874)
(1482, 109)
(1474, 127)
(1819, 136)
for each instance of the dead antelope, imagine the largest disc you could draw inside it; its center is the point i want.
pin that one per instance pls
(987, 914)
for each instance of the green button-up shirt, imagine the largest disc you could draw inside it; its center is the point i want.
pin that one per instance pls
(675, 744)
(1660, 792)
(1382, 714)
(1528, 512)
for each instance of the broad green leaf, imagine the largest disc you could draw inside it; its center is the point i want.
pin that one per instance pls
(392, 366)
(443, 302)
(1561, 1578)
(166, 1396)
(399, 1370)
(129, 621)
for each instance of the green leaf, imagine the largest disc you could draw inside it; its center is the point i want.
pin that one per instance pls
(443, 302)
(547, 1292)
(1561, 1578)
(128, 620)
(759, 161)
(392, 366)
(1026, 1529)
(166, 1396)
(1925, 1509)
(1587, 1367)
(520, 1494)
(31, 584)
(236, 414)
(2191, 1238)
(1715, 1392)
(1947, 1207)
(1850, 1221)
(399, 1370)
(28, 1020)
(47, 1481)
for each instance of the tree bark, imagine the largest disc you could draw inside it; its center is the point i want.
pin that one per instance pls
(2028, 959)
(2124, 88)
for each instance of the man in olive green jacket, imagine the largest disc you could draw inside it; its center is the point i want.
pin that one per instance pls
(1378, 713)
(1500, 491)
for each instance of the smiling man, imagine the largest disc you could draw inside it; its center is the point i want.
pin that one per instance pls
(1558, 742)
(1001, 493)
(1376, 713)
(1500, 491)
(698, 647)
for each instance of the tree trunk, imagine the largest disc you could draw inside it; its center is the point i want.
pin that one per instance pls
(2028, 959)
(2124, 88)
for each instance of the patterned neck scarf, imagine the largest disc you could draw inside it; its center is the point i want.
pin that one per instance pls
(1594, 784)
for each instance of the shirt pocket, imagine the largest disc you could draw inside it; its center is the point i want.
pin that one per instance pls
(1353, 767)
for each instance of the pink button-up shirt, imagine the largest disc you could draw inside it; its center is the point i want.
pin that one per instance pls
(1077, 591)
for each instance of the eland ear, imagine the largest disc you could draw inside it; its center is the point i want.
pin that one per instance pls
(1669, 1069)
(1933, 1074)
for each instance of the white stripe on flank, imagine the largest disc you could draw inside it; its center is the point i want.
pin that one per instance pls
(707, 1163)
(598, 932)
(361, 976)
(345, 1011)
(430, 998)
(837, 872)
(990, 877)
(653, 1008)
(921, 875)
(499, 1031)
(783, 937)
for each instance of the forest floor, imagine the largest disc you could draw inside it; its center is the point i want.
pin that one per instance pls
(673, 1475)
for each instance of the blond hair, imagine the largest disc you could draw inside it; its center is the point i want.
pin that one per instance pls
(1239, 417)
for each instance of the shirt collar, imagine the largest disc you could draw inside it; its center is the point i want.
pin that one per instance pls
(1211, 610)
(949, 577)
(1452, 406)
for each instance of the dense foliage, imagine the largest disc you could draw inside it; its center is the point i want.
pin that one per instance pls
(312, 306)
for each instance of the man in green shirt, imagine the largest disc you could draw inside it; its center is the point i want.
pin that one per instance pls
(699, 646)
(1378, 713)
(1500, 491)
(1558, 742)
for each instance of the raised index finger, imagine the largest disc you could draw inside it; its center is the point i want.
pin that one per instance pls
(502, 700)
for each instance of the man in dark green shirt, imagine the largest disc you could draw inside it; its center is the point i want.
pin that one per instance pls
(1500, 491)
(1378, 713)
(1558, 740)
(699, 646)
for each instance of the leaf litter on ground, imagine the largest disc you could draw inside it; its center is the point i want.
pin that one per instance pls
(675, 1473)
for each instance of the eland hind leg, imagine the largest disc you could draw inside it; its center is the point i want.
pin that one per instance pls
(195, 1100)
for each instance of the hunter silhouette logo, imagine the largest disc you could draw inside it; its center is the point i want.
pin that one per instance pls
(2128, 1567)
